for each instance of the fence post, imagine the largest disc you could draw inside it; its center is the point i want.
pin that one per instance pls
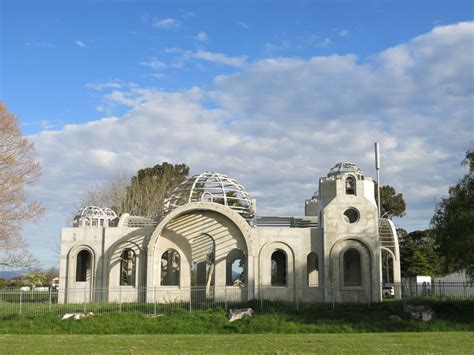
(190, 299)
(120, 299)
(372, 294)
(296, 296)
(225, 295)
(50, 305)
(21, 299)
(260, 292)
(85, 297)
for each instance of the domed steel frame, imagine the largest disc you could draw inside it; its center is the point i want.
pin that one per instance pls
(212, 187)
(345, 167)
(94, 216)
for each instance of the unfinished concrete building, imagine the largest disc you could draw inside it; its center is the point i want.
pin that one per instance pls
(211, 244)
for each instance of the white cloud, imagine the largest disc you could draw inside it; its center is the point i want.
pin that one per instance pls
(318, 41)
(188, 15)
(166, 23)
(220, 58)
(114, 84)
(80, 44)
(154, 63)
(282, 123)
(174, 50)
(243, 24)
(201, 36)
(343, 33)
(156, 75)
(272, 47)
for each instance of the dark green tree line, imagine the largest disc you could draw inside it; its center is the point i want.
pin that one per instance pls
(453, 223)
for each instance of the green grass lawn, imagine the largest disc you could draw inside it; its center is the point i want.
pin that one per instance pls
(215, 322)
(435, 342)
(449, 316)
(276, 329)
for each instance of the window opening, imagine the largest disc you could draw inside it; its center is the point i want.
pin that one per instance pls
(235, 275)
(312, 269)
(351, 215)
(352, 272)
(83, 266)
(127, 268)
(170, 268)
(278, 268)
(203, 267)
(350, 185)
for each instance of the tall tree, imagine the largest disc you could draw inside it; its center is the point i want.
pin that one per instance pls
(142, 195)
(51, 273)
(18, 169)
(453, 223)
(111, 194)
(418, 255)
(35, 279)
(148, 189)
(392, 203)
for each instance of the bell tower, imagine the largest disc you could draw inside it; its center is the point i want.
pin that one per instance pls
(348, 217)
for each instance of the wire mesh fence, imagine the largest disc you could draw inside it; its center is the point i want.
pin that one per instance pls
(165, 299)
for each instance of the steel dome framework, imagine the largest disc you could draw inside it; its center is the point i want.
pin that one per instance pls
(94, 216)
(212, 187)
(345, 167)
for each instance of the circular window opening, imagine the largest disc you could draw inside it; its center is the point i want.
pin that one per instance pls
(351, 215)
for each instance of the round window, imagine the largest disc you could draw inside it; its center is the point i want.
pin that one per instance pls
(351, 215)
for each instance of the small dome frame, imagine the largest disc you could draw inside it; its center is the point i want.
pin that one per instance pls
(94, 216)
(345, 168)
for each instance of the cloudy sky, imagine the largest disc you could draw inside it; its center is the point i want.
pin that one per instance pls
(270, 93)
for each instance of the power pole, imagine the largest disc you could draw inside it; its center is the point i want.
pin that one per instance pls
(377, 168)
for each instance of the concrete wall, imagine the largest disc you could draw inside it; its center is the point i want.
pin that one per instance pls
(229, 231)
(105, 245)
(296, 243)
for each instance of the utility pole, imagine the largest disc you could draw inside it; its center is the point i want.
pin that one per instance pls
(377, 168)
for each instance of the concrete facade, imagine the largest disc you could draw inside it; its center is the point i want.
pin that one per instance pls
(333, 254)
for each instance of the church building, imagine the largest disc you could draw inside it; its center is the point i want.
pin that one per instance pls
(211, 244)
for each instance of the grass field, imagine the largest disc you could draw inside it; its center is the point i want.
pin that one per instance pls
(272, 330)
(449, 316)
(435, 342)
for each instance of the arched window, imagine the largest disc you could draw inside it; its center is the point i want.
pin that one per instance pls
(312, 269)
(83, 266)
(350, 186)
(127, 268)
(235, 269)
(170, 266)
(352, 272)
(278, 268)
(387, 267)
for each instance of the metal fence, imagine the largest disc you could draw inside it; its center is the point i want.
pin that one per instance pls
(40, 302)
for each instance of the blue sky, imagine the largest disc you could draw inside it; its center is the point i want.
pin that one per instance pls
(271, 93)
(52, 50)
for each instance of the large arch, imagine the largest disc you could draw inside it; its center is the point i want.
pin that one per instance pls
(187, 222)
(395, 264)
(364, 292)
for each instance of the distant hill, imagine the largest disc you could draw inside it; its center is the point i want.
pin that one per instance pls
(235, 275)
(7, 275)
